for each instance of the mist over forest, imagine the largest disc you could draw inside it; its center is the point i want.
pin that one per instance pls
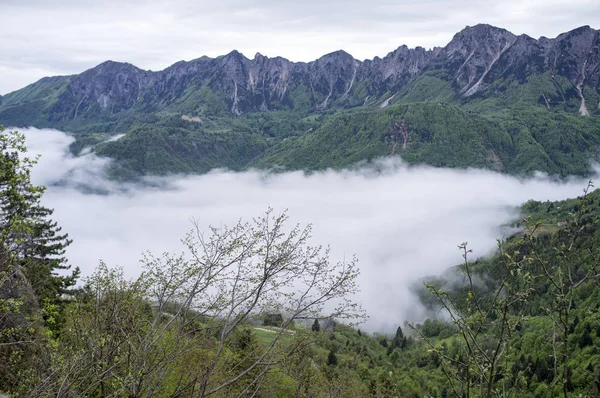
(402, 222)
(316, 199)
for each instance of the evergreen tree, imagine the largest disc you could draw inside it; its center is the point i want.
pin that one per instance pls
(585, 339)
(406, 342)
(332, 359)
(542, 370)
(31, 254)
(316, 327)
(30, 241)
(397, 342)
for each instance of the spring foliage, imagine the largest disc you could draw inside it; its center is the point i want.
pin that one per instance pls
(252, 309)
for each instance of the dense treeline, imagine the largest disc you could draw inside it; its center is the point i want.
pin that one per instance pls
(526, 140)
(254, 310)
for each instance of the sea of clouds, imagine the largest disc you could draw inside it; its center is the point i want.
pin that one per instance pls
(403, 223)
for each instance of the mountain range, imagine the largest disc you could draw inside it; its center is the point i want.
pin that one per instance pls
(488, 99)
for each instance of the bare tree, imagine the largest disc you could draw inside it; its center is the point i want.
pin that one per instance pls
(182, 327)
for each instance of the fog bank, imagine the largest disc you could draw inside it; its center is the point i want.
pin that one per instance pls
(402, 222)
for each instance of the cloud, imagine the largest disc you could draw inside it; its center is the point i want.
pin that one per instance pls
(67, 36)
(402, 222)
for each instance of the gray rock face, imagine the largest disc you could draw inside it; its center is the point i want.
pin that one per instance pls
(398, 67)
(473, 60)
(473, 53)
(486, 53)
(112, 87)
(576, 54)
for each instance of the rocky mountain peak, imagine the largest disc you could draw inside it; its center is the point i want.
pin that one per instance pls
(234, 54)
(580, 31)
(473, 52)
(482, 39)
(475, 58)
(399, 66)
(481, 30)
(337, 58)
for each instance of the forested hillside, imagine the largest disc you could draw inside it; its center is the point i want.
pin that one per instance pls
(487, 99)
(253, 309)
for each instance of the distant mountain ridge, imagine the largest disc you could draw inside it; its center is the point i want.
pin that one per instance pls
(483, 68)
(473, 59)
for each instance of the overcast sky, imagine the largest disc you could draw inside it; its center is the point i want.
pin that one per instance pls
(43, 38)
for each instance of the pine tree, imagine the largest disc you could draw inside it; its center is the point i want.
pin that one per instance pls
(316, 327)
(30, 241)
(586, 339)
(332, 359)
(31, 254)
(397, 342)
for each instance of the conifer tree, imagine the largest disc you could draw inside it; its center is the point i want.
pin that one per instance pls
(31, 255)
(397, 342)
(332, 359)
(316, 327)
(30, 242)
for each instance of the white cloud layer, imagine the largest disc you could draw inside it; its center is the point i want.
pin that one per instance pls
(403, 223)
(41, 38)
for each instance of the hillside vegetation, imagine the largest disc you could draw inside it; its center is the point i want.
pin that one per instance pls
(253, 309)
(488, 99)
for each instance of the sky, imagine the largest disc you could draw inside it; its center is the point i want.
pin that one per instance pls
(403, 223)
(46, 38)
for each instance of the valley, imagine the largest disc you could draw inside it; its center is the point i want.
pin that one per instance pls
(423, 224)
(508, 103)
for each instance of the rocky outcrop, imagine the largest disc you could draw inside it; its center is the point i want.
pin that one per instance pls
(473, 53)
(477, 56)
(475, 59)
(111, 87)
(576, 54)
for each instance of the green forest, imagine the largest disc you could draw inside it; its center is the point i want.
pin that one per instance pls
(253, 309)
(523, 122)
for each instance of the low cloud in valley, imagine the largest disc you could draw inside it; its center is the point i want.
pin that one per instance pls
(402, 222)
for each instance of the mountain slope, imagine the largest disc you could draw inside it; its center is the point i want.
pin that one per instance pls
(488, 71)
